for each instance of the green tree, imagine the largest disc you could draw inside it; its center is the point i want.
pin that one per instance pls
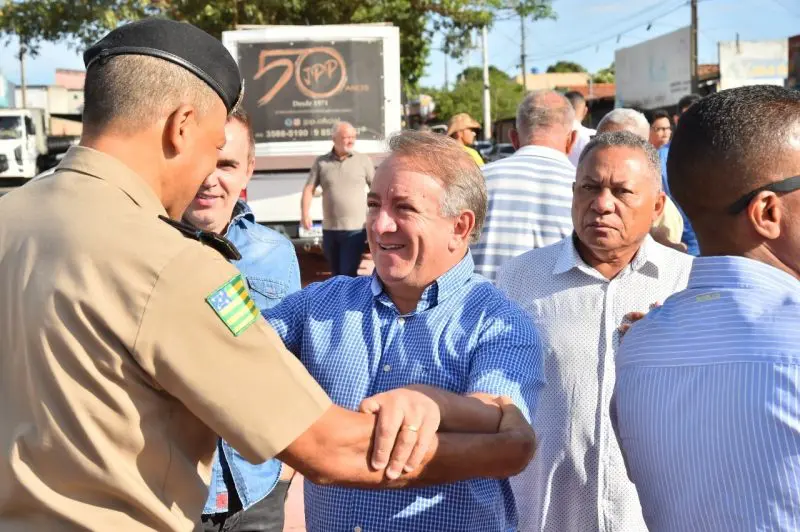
(605, 75)
(81, 23)
(565, 66)
(467, 95)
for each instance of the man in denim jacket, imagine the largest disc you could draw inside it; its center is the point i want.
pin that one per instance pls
(244, 496)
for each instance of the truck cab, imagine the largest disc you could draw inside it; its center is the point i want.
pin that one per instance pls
(23, 142)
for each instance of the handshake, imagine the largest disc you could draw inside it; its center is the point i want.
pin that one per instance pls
(408, 420)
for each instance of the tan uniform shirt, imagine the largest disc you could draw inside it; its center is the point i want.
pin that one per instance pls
(344, 189)
(115, 372)
(671, 222)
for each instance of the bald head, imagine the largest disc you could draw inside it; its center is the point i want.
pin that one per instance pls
(545, 118)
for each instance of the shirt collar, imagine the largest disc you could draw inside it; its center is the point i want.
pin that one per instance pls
(738, 272)
(107, 168)
(647, 259)
(439, 290)
(335, 156)
(541, 151)
(242, 211)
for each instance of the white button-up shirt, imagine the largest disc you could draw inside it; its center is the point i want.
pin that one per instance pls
(577, 480)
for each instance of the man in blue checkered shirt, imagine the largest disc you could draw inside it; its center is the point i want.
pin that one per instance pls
(424, 319)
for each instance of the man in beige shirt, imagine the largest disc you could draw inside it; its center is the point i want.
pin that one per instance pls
(113, 324)
(344, 176)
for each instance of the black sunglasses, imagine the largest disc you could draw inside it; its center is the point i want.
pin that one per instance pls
(790, 184)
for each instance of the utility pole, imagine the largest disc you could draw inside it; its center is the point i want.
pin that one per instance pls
(693, 47)
(22, 74)
(446, 77)
(522, 51)
(487, 102)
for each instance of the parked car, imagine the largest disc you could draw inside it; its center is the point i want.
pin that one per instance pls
(499, 151)
(483, 147)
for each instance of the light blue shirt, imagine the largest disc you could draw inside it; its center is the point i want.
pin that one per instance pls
(269, 265)
(708, 402)
(464, 336)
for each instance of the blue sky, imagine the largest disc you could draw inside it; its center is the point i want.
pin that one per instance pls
(586, 31)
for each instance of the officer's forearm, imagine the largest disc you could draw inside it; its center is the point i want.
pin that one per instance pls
(336, 450)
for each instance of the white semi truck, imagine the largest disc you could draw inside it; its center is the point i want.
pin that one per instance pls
(299, 81)
(23, 143)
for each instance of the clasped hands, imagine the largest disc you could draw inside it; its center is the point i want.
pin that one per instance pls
(407, 422)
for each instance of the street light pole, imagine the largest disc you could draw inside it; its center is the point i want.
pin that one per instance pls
(22, 74)
(522, 51)
(693, 46)
(487, 109)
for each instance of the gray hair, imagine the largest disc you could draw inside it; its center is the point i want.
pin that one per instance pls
(544, 111)
(444, 159)
(625, 120)
(341, 125)
(119, 93)
(627, 139)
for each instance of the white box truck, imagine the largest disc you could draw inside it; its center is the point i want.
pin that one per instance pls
(299, 81)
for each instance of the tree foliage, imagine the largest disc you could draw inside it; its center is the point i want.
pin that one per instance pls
(565, 66)
(605, 75)
(467, 95)
(81, 23)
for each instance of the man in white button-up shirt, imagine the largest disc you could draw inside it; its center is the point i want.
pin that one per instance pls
(578, 292)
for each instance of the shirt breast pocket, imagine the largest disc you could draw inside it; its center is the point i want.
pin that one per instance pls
(266, 292)
(435, 373)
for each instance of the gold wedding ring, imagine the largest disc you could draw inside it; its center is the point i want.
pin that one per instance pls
(412, 428)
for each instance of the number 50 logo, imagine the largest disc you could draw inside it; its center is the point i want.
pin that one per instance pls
(318, 72)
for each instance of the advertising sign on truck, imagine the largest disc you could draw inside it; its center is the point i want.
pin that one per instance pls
(296, 91)
(299, 82)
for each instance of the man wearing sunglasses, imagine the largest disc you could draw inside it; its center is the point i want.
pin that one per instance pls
(708, 386)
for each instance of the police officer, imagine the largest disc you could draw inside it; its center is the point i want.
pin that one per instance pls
(112, 320)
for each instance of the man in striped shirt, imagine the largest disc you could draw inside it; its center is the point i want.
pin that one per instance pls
(708, 386)
(530, 192)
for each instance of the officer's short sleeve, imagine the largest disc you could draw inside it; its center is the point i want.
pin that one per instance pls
(247, 388)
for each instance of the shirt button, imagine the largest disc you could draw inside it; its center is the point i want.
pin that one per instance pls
(401, 320)
(387, 368)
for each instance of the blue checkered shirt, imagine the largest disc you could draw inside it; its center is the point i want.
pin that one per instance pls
(464, 336)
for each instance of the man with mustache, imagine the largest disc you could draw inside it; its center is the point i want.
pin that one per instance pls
(577, 292)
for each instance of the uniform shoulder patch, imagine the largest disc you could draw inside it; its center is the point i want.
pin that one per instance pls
(233, 305)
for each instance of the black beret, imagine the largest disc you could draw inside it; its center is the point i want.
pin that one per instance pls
(177, 42)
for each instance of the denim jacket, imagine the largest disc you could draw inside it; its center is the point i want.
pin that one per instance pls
(269, 264)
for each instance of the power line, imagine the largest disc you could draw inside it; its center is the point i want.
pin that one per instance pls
(616, 34)
(784, 6)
